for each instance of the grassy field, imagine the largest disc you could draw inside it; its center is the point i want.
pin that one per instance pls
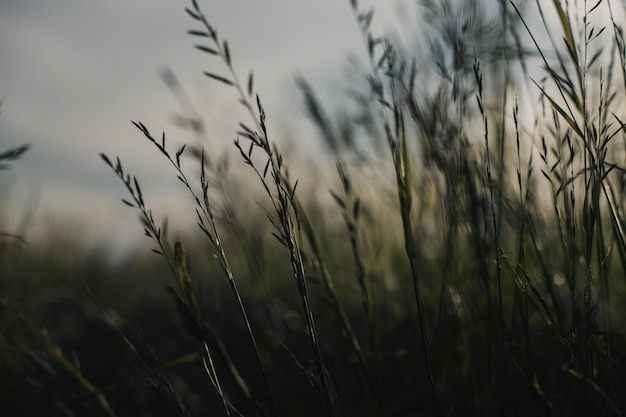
(467, 258)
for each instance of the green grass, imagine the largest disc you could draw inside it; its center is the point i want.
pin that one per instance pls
(468, 259)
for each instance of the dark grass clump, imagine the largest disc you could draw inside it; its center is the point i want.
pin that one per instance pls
(469, 259)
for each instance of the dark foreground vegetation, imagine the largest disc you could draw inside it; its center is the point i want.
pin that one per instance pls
(470, 258)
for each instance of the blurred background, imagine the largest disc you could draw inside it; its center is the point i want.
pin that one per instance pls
(73, 74)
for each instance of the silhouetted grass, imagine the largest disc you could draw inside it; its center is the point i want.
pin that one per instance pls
(470, 258)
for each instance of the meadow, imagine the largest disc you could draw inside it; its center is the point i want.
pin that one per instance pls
(460, 249)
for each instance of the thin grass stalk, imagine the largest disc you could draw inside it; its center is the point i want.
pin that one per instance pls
(615, 209)
(563, 90)
(571, 227)
(213, 235)
(288, 236)
(233, 285)
(594, 160)
(604, 253)
(203, 206)
(403, 195)
(282, 197)
(300, 274)
(524, 197)
(157, 234)
(366, 378)
(186, 298)
(397, 141)
(351, 208)
(450, 226)
(501, 143)
(566, 90)
(402, 165)
(501, 368)
(482, 256)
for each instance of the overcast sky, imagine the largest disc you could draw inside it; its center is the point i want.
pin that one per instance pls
(73, 73)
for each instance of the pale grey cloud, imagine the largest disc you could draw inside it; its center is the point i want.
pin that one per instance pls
(73, 72)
